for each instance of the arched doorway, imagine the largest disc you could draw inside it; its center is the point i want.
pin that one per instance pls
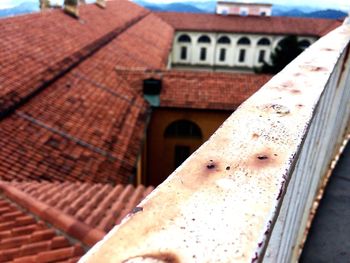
(182, 138)
(170, 142)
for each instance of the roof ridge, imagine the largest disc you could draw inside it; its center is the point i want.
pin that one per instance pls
(205, 22)
(69, 137)
(60, 220)
(108, 90)
(68, 63)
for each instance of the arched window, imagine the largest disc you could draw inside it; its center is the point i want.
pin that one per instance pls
(183, 53)
(224, 40)
(264, 42)
(204, 39)
(203, 54)
(222, 55)
(261, 57)
(183, 129)
(243, 41)
(304, 44)
(184, 39)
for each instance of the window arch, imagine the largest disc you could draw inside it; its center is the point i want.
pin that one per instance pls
(264, 42)
(204, 39)
(183, 129)
(184, 39)
(243, 41)
(224, 40)
(304, 43)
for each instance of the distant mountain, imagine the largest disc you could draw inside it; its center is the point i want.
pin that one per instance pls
(280, 10)
(277, 10)
(207, 6)
(189, 6)
(295, 12)
(156, 8)
(195, 7)
(175, 7)
(24, 8)
(329, 14)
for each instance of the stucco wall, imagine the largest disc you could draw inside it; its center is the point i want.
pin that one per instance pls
(236, 9)
(158, 159)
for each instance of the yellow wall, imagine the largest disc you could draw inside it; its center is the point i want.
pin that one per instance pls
(158, 159)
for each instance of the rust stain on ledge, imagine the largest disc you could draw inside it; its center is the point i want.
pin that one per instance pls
(312, 68)
(295, 91)
(161, 258)
(137, 210)
(264, 159)
(212, 166)
(274, 108)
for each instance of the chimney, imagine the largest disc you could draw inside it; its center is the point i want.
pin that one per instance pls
(71, 8)
(44, 4)
(101, 3)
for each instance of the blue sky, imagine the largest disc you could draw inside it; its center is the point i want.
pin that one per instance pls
(339, 4)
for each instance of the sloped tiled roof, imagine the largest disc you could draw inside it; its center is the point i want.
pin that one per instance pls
(25, 239)
(199, 90)
(100, 206)
(84, 211)
(250, 24)
(88, 124)
(52, 222)
(219, 91)
(145, 45)
(38, 48)
(77, 129)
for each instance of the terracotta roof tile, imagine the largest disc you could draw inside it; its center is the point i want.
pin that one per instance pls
(99, 206)
(199, 90)
(24, 239)
(52, 43)
(88, 125)
(146, 45)
(53, 255)
(249, 24)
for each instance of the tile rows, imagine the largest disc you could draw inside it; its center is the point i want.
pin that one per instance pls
(89, 124)
(199, 90)
(251, 24)
(25, 239)
(100, 206)
(53, 42)
(31, 152)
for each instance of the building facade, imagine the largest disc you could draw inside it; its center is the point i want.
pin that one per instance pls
(243, 9)
(226, 51)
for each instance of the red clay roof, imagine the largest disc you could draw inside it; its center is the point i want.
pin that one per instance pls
(100, 206)
(38, 48)
(25, 239)
(219, 91)
(83, 211)
(88, 124)
(250, 24)
(200, 90)
(32, 214)
(80, 129)
(145, 45)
